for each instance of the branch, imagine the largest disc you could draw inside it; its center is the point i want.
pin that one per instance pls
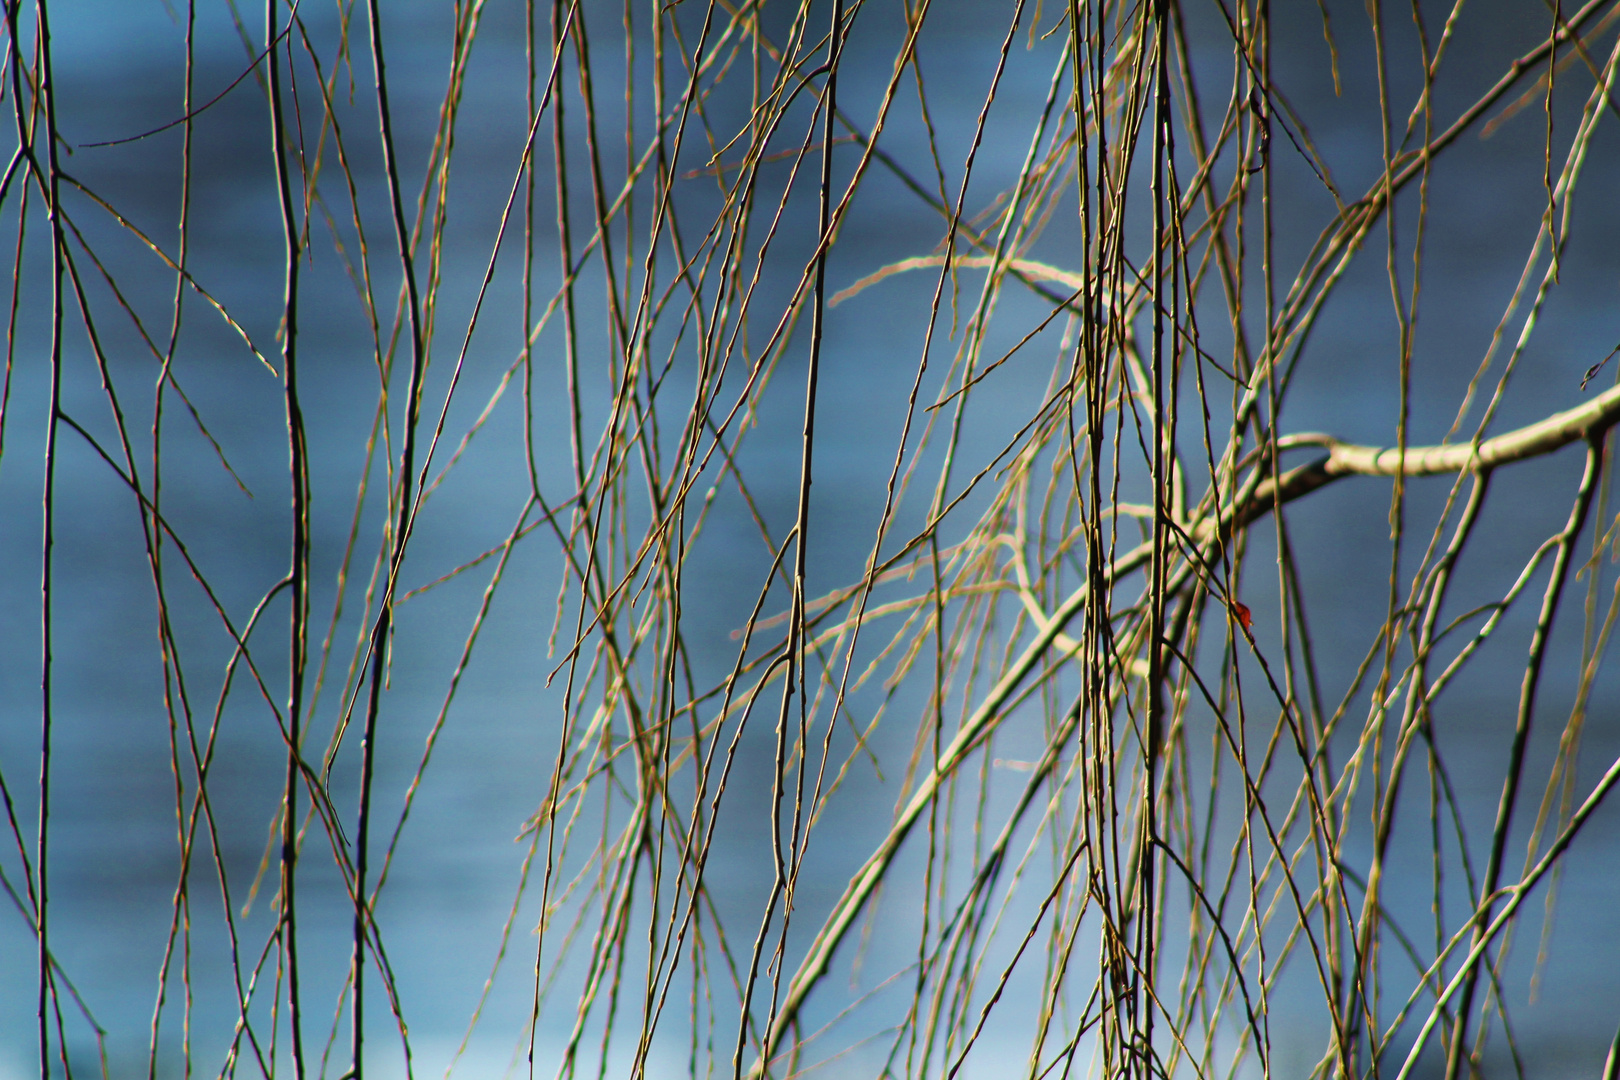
(1555, 432)
(1585, 421)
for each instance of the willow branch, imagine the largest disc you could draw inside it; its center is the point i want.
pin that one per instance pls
(1585, 421)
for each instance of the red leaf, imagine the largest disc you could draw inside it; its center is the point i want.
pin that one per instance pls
(1244, 616)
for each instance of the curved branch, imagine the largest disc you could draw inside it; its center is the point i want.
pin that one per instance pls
(1585, 421)
(1542, 437)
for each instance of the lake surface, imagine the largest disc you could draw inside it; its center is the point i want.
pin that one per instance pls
(113, 863)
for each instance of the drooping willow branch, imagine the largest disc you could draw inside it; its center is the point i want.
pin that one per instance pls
(686, 273)
(1589, 421)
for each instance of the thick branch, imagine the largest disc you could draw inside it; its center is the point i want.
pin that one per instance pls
(1543, 437)
(1584, 421)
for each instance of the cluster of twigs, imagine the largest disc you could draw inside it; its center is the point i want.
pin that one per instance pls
(1208, 813)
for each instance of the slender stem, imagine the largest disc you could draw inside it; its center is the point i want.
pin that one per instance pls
(298, 574)
(403, 508)
(1521, 735)
(51, 191)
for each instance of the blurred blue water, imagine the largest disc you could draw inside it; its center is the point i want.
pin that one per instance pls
(113, 865)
